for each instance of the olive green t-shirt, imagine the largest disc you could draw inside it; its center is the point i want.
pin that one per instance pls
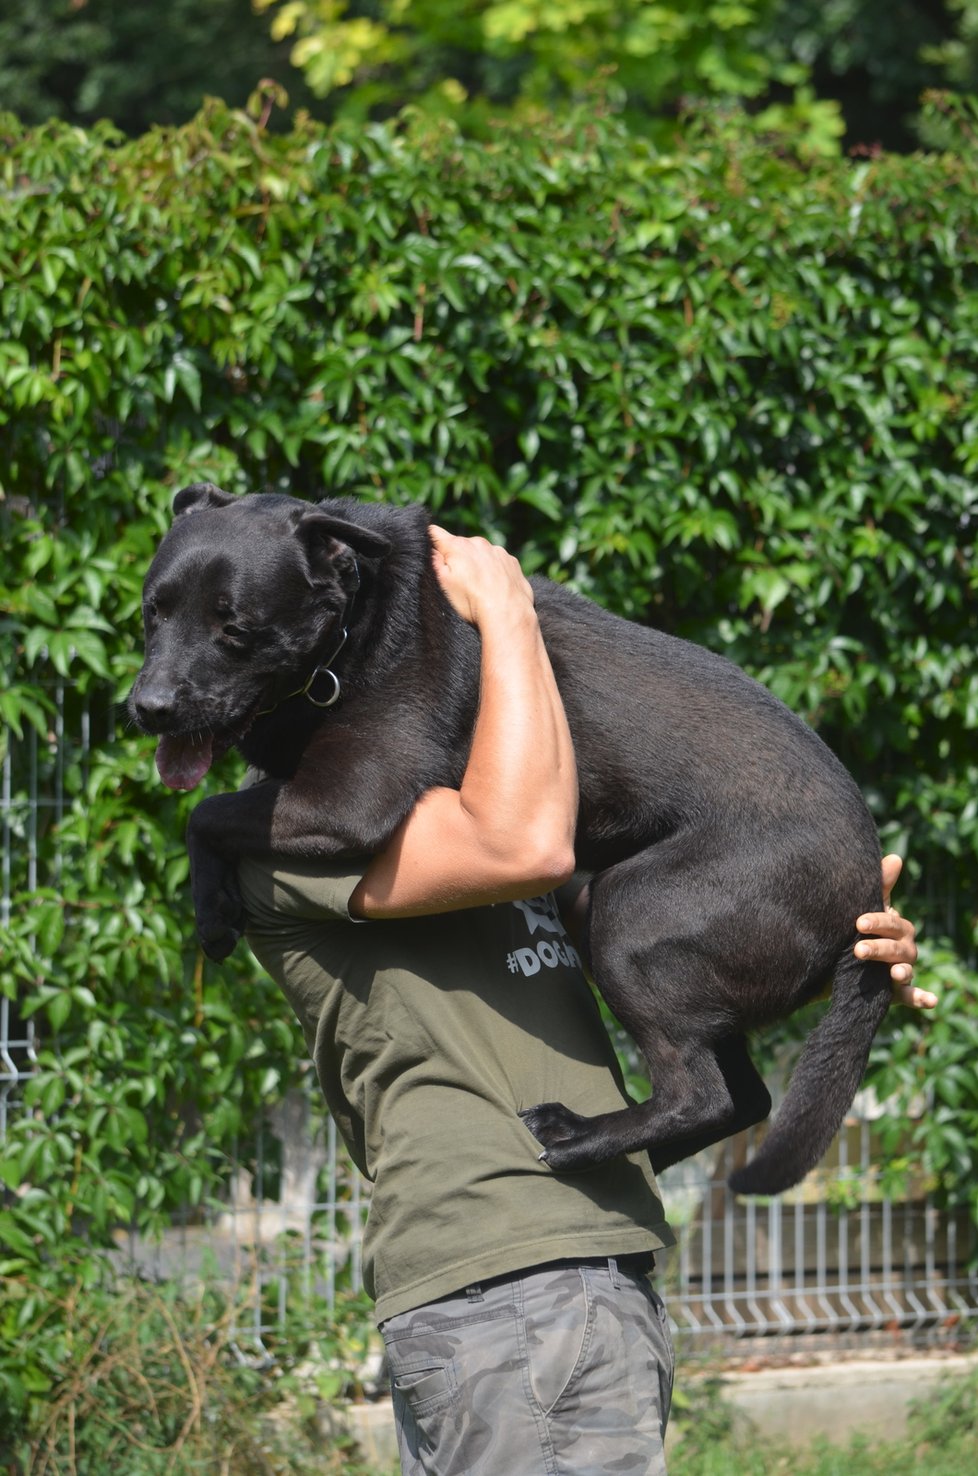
(428, 1036)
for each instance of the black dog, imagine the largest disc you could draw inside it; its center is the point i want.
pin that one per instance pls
(730, 850)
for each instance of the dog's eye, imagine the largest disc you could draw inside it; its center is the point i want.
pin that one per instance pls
(234, 633)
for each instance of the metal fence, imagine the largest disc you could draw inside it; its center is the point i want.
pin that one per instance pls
(832, 1264)
(801, 1273)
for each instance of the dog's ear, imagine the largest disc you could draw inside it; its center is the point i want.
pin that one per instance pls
(325, 538)
(200, 495)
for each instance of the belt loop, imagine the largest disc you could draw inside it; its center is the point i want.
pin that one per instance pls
(474, 1293)
(614, 1273)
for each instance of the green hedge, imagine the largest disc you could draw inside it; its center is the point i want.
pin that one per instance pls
(721, 391)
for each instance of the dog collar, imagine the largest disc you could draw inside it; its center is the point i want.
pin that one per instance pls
(324, 668)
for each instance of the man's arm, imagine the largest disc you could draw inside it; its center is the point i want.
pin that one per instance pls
(508, 831)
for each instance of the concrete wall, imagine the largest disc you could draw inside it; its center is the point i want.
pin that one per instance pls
(838, 1399)
(795, 1405)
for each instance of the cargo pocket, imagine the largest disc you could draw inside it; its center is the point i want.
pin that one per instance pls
(426, 1415)
(426, 1389)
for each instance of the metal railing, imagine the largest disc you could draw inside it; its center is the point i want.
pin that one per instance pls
(802, 1272)
(832, 1263)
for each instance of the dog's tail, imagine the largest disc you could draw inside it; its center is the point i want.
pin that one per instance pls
(823, 1083)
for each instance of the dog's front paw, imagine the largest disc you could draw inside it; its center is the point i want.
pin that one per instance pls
(217, 942)
(220, 919)
(563, 1135)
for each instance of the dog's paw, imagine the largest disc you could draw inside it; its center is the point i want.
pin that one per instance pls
(563, 1135)
(216, 941)
(220, 922)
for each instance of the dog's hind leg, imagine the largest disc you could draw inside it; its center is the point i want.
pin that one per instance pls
(750, 1104)
(671, 979)
(700, 1095)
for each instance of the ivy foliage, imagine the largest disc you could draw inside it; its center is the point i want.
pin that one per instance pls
(721, 390)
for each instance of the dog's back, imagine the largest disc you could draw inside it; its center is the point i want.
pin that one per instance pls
(673, 738)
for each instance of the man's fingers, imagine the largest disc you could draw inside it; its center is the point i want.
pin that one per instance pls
(476, 575)
(888, 924)
(892, 866)
(442, 543)
(893, 943)
(893, 950)
(914, 996)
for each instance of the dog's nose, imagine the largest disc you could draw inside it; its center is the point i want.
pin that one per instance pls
(154, 708)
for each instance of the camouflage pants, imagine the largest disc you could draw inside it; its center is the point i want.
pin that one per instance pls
(562, 1371)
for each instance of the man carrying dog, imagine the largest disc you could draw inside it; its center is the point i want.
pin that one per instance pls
(440, 994)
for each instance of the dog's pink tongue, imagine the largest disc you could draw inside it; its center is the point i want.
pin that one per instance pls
(183, 762)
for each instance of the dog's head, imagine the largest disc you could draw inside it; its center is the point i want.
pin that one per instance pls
(246, 595)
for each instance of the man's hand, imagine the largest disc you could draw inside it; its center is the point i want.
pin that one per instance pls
(478, 577)
(894, 943)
